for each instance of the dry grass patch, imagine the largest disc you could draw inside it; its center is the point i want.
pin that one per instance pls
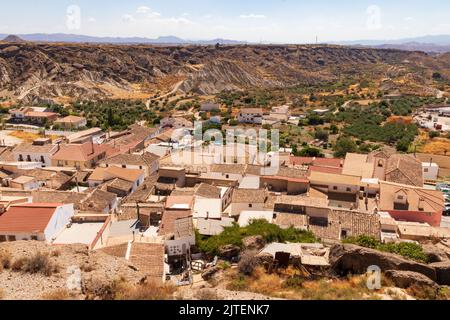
(57, 295)
(26, 136)
(120, 289)
(292, 284)
(38, 263)
(206, 295)
(5, 259)
(147, 291)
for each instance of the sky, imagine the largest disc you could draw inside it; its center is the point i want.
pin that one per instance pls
(276, 21)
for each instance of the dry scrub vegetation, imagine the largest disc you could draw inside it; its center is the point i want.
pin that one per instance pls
(38, 263)
(122, 290)
(294, 284)
(58, 295)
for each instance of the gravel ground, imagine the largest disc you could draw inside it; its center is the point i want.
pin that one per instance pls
(96, 268)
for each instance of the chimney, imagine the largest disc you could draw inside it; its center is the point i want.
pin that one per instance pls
(138, 210)
(92, 144)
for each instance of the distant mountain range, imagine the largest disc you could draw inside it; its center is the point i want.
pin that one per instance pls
(439, 40)
(431, 44)
(74, 38)
(436, 43)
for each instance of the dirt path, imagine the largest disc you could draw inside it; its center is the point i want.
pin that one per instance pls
(174, 90)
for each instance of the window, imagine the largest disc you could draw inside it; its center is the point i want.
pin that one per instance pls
(34, 238)
(2, 238)
(349, 190)
(335, 188)
(400, 197)
(425, 170)
(11, 238)
(316, 221)
(140, 167)
(20, 157)
(124, 166)
(42, 159)
(250, 205)
(60, 163)
(28, 158)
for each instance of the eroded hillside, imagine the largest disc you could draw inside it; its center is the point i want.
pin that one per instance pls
(31, 72)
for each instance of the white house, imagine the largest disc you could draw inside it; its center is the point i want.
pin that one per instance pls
(251, 115)
(430, 171)
(40, 150)
(35, 221)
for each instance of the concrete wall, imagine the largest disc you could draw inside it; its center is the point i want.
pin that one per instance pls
(433, 219)
(430, 173)
(237, 208)
(23, 236)
(35, 157)
(60, 219)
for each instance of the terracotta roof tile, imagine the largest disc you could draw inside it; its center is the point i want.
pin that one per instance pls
(27, 218)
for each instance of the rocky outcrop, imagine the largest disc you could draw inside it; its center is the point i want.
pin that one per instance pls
(229, 251)
(209, 273)
(254, 242)
(442, 272)
(349, 258)
(406, 279)
(436, 252)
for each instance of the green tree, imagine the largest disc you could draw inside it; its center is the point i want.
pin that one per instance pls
(343, 146)
(310, 152)
(434, 134)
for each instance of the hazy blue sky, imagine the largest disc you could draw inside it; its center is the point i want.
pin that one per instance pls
(252, 20)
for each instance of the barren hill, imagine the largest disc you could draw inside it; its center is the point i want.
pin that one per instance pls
(31, 71)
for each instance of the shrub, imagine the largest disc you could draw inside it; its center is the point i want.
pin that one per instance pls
(294, 283)
(406, 249)
(225, 265)
(364, 241)
(238, 284)
(18, 264)
(434, 134)
(270, 232)
(38, 263)
(5, 260)
(57, 295)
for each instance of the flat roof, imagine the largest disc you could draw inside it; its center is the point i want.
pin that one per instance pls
(79, 233)
(247, 216)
